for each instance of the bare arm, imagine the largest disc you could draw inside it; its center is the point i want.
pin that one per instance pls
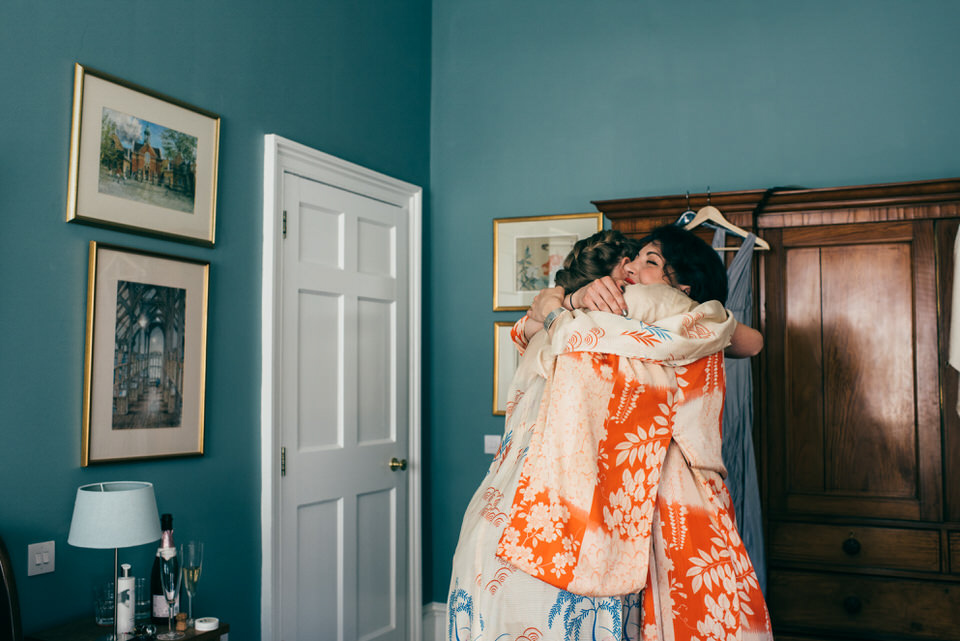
(745, 342)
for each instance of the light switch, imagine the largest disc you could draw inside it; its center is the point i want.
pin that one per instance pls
(491, 443)
(40, 558)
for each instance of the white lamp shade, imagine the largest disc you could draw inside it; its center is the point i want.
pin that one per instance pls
(117, 514)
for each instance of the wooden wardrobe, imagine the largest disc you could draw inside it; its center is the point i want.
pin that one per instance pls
(857, 432)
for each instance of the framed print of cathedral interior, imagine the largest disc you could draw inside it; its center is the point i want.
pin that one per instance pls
(145, 355)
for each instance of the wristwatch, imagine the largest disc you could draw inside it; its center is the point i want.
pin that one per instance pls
(552, 316)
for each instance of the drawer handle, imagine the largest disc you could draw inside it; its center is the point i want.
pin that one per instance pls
(852, 604)
(851, 546)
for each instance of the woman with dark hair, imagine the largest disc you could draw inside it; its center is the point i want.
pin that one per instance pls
(688, 259)
(604, 514)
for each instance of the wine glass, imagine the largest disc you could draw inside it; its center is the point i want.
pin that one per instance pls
(170, 580)
(191, 558)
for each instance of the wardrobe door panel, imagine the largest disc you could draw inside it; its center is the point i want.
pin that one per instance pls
(804, 356)
(868, 370)
(859, 386)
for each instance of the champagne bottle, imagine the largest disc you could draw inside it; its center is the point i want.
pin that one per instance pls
(159, 606)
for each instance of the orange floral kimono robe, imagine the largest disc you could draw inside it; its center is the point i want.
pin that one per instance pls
(604, 514)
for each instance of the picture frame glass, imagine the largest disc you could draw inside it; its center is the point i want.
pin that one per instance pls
(505, 361)
(146, 344)
(528, 252)
(141, 162)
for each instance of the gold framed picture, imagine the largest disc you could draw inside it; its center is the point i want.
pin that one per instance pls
(141, 161)
(528, 252)
(145, 355)
(506, 357)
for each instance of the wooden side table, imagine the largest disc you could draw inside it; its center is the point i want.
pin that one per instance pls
(86, 630)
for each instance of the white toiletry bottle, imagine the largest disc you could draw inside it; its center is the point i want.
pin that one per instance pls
(126, 599)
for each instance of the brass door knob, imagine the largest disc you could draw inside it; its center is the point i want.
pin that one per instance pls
(397, 464)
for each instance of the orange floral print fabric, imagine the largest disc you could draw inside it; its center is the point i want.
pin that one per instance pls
(582, 515)
(700, 581)
(609, 482)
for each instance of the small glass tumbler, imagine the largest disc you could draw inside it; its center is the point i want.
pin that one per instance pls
(142, 604)
(103, 603)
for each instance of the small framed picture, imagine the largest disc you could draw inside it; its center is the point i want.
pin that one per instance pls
(145, 356)
(506, 357)
(141, 161)
(528, 252)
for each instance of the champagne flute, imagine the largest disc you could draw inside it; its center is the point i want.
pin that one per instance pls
(191, 558)
(170, 580)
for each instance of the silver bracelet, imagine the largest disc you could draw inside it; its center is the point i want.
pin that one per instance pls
(552, 316)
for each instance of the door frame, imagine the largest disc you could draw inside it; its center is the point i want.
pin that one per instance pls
(283, 156)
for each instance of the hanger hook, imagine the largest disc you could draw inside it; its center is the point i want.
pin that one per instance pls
(688, 200)
(708, 194)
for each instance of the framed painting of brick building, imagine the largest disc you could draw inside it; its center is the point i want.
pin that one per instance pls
(141, 161)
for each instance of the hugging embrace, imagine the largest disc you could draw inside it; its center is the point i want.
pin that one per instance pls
(604, 514)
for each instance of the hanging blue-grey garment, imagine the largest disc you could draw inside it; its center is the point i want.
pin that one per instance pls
(738, 454)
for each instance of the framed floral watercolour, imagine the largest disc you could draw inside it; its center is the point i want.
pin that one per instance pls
(528, 252)
(505, 361)
(141, 161)
(145, 360)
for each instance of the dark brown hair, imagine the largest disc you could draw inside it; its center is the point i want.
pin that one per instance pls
(690, 261)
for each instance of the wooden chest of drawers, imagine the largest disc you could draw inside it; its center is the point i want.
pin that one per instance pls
(861, 436)
(855, 546)
(865, 606)
(954, 538)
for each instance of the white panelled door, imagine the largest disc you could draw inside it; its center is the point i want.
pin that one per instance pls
(344, 415)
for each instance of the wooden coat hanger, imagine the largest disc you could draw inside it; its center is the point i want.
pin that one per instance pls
(711, 216)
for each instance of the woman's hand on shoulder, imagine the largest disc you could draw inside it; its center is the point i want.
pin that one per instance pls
(602, 295)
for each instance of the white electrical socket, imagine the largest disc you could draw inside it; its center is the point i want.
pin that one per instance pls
(491, 443)
(40, 558)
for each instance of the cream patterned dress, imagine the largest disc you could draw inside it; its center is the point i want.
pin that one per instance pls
(604, 514)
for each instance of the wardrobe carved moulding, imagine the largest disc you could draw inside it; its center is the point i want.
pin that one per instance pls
(795, 207)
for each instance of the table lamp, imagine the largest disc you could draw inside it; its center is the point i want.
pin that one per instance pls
(117, 514)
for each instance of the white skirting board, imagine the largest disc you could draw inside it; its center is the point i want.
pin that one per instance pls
(434, 621)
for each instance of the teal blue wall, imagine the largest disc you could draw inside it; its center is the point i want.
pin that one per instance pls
(349, 78)
(537, 107)
(541, 106)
